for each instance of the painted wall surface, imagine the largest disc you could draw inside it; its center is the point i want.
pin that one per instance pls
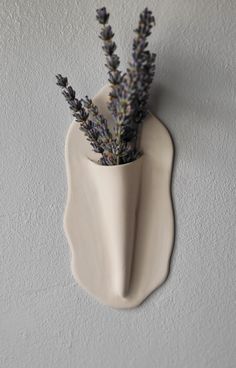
(47, 321)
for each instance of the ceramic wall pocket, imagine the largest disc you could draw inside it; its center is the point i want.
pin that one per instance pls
(119, 219)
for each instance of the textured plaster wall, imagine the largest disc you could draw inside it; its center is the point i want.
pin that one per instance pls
(47, 321)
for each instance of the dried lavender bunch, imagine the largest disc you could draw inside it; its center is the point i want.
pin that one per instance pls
(127, 99)
(96, 130)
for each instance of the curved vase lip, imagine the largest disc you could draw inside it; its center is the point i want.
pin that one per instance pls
(131, 163)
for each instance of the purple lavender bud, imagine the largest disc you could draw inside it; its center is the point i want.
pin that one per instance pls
(102, 15)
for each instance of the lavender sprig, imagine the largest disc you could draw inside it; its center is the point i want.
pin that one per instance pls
(96, 131)
(112, 60)
(115, 77)
(106, 138)
(142, 69)
(133, 92)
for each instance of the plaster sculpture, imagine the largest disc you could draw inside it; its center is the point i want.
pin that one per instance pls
(119, 219)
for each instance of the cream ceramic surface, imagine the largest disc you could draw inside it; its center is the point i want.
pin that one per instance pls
(114, 192)
(119, 220)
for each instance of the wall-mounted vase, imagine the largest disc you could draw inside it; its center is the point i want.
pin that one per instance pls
(119, 219)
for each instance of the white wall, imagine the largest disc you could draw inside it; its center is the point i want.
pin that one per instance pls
(47, 321)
